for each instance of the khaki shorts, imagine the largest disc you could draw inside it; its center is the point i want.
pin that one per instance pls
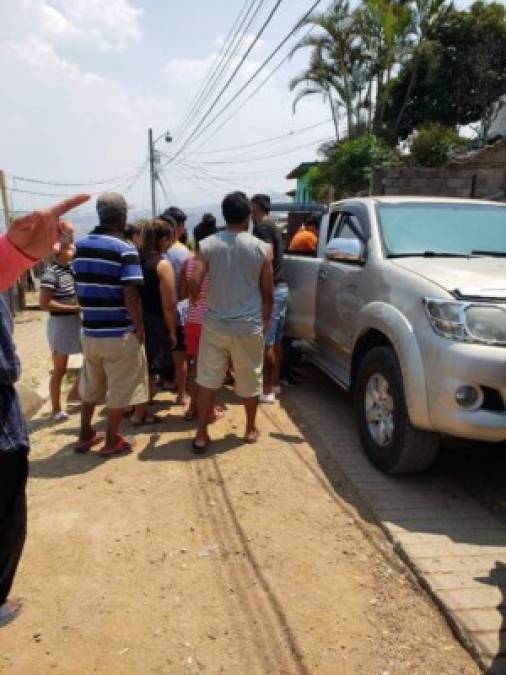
(247, 355)
(114, 371)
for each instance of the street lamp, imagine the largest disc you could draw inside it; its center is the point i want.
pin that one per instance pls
(154, 159)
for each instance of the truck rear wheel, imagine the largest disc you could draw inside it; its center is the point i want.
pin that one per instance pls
(389, 439)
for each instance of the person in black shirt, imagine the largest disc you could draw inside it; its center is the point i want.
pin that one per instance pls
(266, 230)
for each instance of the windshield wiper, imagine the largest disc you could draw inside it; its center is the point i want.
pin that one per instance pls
(493, 254)
(428, 254)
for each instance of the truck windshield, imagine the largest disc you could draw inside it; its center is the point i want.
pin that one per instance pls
(412, 228)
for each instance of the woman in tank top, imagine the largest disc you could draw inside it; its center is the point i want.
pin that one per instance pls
(159, 297)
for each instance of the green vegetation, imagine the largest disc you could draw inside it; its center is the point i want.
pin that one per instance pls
(434, 144)
(389, 68)
(349, 164)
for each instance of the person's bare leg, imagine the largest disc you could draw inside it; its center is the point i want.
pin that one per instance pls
(205, 409)
(59, 370)
(180, 366)
(114, 418)
(87, 410)
(251, 407)
(194, 388)
(73, 395)
(278, 354)
(269, 369)
(152, 387)
(140, 413)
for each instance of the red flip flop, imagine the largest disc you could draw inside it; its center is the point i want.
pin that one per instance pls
(82, 447)
(121, 447)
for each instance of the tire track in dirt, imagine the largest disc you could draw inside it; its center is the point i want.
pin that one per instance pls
(262, 612)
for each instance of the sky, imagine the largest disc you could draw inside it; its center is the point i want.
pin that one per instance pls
(82, 82)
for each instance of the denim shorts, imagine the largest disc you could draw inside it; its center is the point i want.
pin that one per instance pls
(277, 324)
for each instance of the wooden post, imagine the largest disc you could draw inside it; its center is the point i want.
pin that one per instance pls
(7, 219)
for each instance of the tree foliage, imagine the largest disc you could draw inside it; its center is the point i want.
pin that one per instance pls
(434, 144)
(388, 66)
(349, 164)
(461, 73)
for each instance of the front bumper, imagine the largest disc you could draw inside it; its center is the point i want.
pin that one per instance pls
(449, 365)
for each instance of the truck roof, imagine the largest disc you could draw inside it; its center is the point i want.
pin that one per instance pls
(392, 199)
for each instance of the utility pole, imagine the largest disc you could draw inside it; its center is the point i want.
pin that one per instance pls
(152, 171)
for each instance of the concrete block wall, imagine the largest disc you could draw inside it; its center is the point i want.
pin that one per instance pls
(451, 181)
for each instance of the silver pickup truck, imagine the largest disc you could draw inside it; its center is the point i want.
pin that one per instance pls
(405, 306)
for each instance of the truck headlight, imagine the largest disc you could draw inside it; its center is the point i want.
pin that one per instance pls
(486, 323)
(446, 317)
(467, 322)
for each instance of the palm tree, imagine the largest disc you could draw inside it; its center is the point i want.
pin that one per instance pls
(317, 80)
(425, 14)
(330, 70)
(384, 27)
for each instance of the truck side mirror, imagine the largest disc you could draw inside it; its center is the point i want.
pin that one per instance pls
(345, 250)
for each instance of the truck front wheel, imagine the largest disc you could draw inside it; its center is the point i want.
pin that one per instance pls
(389, 439)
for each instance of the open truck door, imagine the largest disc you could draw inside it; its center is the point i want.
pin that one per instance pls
(301, 271)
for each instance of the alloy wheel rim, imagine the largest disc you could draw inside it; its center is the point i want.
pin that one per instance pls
(379, 410)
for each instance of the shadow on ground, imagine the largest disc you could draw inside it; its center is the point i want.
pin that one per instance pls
(324, 415)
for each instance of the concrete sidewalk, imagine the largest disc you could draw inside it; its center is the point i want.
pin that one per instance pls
(455, 546)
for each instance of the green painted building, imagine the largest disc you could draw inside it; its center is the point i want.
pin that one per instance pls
(302, 194)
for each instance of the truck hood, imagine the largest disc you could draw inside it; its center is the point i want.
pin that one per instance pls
(463, 277)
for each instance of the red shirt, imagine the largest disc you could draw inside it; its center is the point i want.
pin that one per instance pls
(14, 263)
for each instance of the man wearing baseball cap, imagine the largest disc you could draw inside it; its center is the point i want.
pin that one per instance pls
(108, 273)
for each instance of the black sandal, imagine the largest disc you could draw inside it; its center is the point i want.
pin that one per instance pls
(199, 449)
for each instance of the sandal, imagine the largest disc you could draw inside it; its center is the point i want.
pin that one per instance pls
(121, 447)
(252, 437)
(144, 421)
(9, 611)
(82, 447)
(199, 448)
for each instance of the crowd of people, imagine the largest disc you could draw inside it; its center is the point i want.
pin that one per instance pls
(146, 311)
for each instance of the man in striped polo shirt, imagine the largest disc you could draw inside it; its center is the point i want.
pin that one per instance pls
(108, 273)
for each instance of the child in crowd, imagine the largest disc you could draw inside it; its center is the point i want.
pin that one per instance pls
(196, 313)
(192, 330)
(58, 297)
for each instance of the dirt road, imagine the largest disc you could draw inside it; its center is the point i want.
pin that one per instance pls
(247, 561)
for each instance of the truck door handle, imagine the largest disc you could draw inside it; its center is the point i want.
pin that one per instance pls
(322, 275)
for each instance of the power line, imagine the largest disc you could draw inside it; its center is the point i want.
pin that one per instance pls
(272, 156)
(199, 131)
(37, 193)
(36, 181)
(217, 69)
(195, 133)
(268, 140)
(246, 100)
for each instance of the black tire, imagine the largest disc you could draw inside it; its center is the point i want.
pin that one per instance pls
(410, 450)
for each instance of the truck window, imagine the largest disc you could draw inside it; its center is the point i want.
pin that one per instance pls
(349, 227)
(333, 226)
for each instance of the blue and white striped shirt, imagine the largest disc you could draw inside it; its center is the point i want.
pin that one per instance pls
(103, 265)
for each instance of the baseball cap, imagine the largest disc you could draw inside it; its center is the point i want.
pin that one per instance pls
(175, 214)
(111, 205)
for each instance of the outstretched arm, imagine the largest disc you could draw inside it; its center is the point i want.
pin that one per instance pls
(32, 237)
